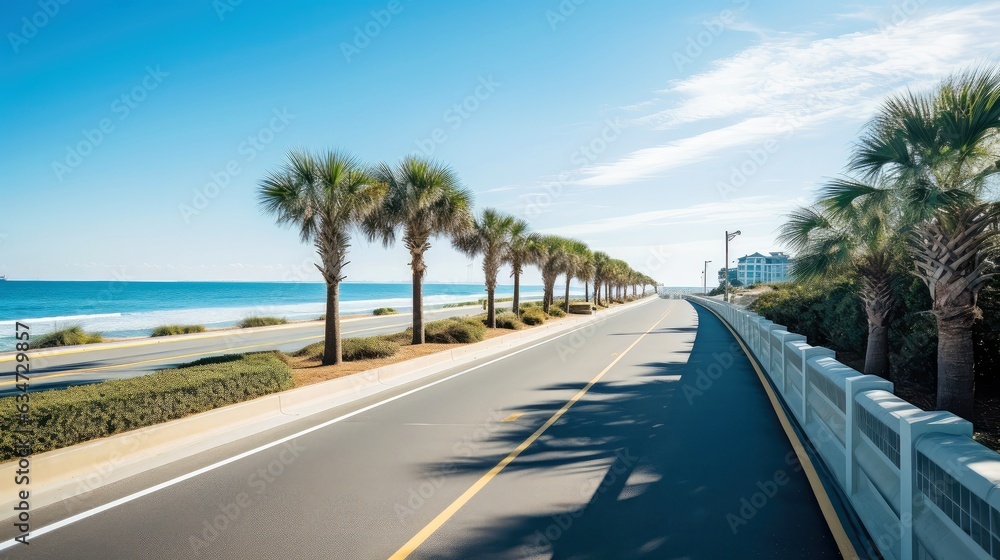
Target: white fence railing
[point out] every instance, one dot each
(921, 485)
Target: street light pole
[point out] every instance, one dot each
(729, 237)
(704, 276)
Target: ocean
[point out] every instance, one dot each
(130, 309)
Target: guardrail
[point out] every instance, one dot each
(921, 485)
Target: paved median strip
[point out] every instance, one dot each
(450, 511)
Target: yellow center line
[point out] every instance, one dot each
(35, 379)
(452, 509)
(843, 541)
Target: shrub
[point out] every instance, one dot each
(455, 330)
(556, 311)
(355, 349)
(169, 330)
(507, 320)
(66, 337)
(251, 322)
(384, 311)
(77, 414)
(533, 316)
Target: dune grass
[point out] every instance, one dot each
(384, 311)
(170, 330)
(71, 336)
(354, 349)
(251, 322)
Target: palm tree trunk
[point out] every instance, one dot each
(332, 349)
(951, 257)
(876, 292)
(568, 279)
(418, 298)
(549, 297)
(517, 292)
(586, 291)
(877, 354)
(956, 378)
(491, 310)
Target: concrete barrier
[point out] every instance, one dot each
(922, 487)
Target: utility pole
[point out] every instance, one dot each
(729, 237)
(704, 276)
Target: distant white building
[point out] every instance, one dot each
(758, 268)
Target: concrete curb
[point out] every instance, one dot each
(69, 472)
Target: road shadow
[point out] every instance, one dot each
(682, 444)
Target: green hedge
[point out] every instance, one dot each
(533, 316)
(169, 330)
(77, 414)
(251, 322)
(455, 330)
(384, 311)
(507, 320)
(831, 314)
(354, 349)
(66, 337)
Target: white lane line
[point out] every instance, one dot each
(172, 482)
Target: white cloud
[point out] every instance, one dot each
(745, 211)
(805, 81)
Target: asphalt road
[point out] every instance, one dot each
(645, 435)
(58, 368)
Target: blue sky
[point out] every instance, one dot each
(136, 133)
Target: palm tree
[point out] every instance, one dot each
(601, 272)
(552, 262)
(617, 275)
(585, 271)
(424, 199)
(523, 250)
(324, 196)
(575, 262)
(862, 240)
(490, 237)
(937, 153)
